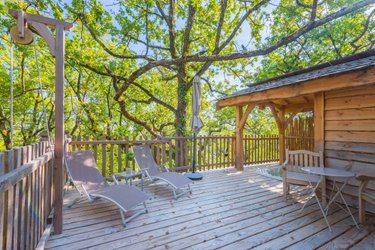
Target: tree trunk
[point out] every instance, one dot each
(6, 138)
(180, 121)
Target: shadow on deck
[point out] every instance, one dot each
(228, 209)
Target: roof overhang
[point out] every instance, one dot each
(354, 78)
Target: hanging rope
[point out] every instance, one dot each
(41, 92)
(11, 93)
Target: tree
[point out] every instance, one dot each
(145, 45)
(339, 38)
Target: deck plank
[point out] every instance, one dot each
(228, 209)
(199, 212)
(349, 238)
(366, 243)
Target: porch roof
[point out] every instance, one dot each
(266, 90)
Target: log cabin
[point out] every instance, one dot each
(340, 93)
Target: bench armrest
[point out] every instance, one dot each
(362, 177)
(284, 166)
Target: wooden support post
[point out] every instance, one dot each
(319, 133)
(319, 122)
(282, 124)
(239, 139)
(57, 46)
(241, 118)
(282, 128)
(59, 131)
(279, 116)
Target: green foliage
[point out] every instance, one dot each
(348, 35)
(109, 45)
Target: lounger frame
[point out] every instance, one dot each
(91, 197)
(177, 192)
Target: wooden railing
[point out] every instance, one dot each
(261, 149)
(26, 174)
(300, 134)
(213, 152)
(26, 190)
(299, 142)
(175, 152)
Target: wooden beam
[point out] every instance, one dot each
(58, 46)
(297, 106)
(241, 118)
(293, 107)
(281, 102)
(299, 110)
(276, 116)
(44, 32)
(282, 137)
(281, 125)
(239, 161)
(307, 100)
(245, 115)
(291, 116)
(50, 22)
(338, 81)
(319, 134)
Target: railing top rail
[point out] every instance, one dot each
(143, 141)
(11, 178)
(118, 141)
(83, 141)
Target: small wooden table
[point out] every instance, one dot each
(128, 176)
(334, 173)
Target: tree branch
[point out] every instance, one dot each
(303, 4)
(153, 98)
(352, 43)
(135, 119)
(189, 25)
(240, 55)
(223, 7)
(313, 10)
(147, 44)
(105, 48)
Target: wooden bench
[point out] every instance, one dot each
(292, 172)
(364, 195)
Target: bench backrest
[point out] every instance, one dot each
(296, 159)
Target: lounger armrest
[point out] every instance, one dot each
(165, 167)
(86, 193)
(115, 179)
(144, 171)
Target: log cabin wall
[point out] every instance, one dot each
(350, 132)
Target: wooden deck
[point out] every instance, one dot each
(228, 210)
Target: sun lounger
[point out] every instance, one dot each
(85, 176)
(151, 170)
